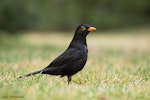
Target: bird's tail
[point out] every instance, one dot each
(30, 74)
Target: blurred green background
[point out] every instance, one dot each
(118, 66)
(65, 15)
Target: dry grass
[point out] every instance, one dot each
(118, 67)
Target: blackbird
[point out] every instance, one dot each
(73, 59)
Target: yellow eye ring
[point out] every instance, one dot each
(83, 28)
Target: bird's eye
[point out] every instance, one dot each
(83, 28)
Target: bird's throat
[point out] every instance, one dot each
(78, 40)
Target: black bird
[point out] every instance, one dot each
(73, 59)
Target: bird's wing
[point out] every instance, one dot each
(69, 55)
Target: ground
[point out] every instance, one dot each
(118, 67)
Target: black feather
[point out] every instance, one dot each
(72, 60)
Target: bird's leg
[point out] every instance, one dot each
(69, 79)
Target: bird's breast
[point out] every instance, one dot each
(84, 52)
(85, 49)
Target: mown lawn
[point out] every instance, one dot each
(118, 67)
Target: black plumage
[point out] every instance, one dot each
(73, 59)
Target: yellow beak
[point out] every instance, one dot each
(91, 29)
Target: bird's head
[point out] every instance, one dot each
(84, 29)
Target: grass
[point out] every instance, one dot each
(118, 67)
